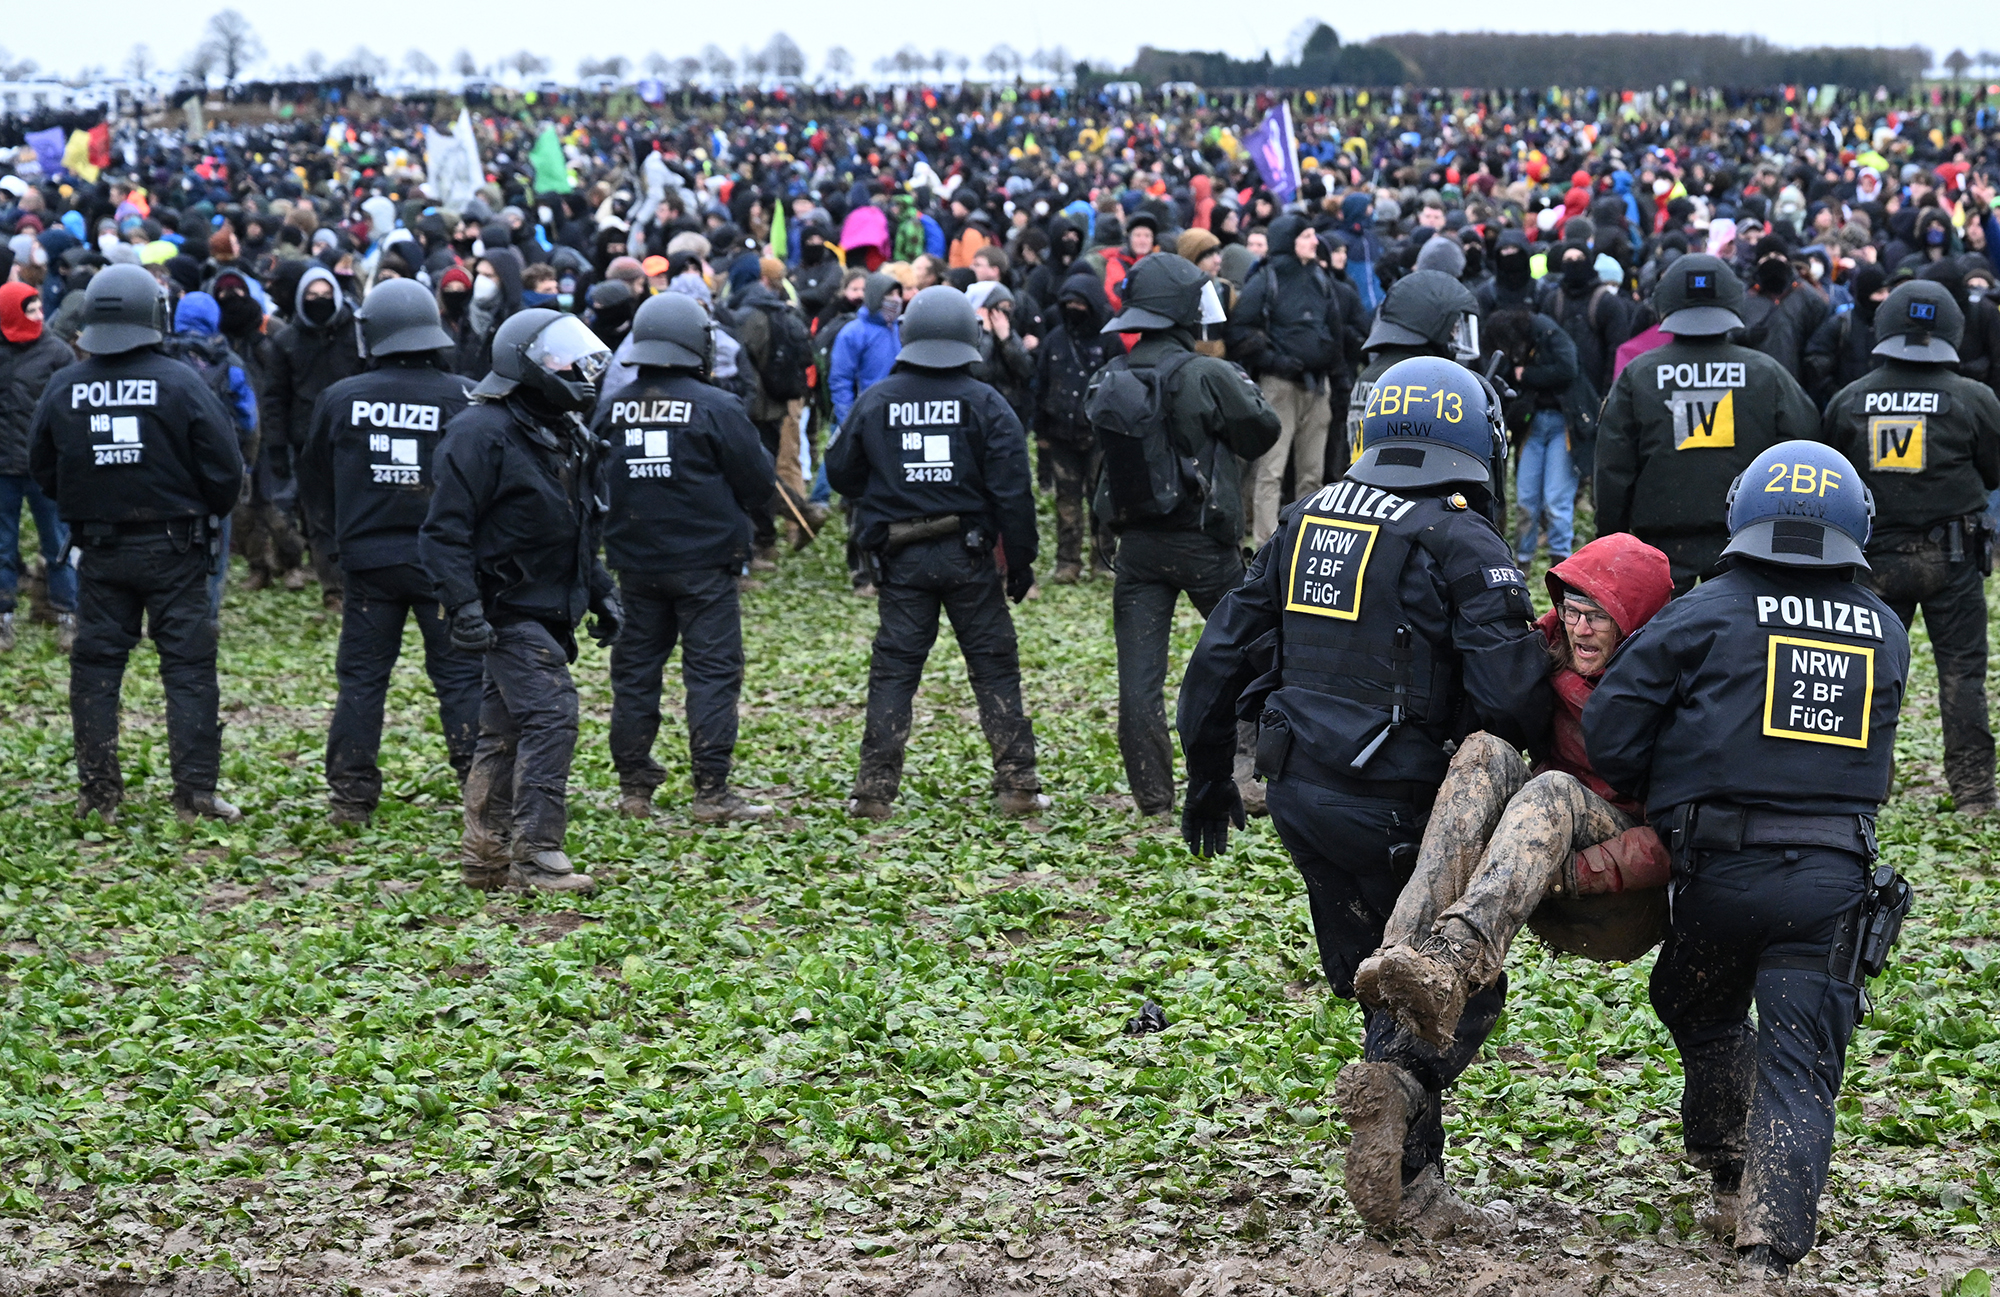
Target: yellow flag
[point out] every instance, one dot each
(76, 157)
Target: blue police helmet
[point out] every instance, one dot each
(1428, 422)
(1801, 504)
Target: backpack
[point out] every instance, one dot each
(1146, 475)
(791, 351)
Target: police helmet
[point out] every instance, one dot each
(1800, 504)
(1428, 308)
(537, 348)
(1920, 321)
(1428, 422)
(400, 315)
(672, 329)
(1698, 296)
(124, 309)
(940, 330)
(1162, 292)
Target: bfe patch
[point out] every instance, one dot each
(1329, 563)
(1818, 692)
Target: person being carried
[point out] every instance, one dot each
(1552, 846)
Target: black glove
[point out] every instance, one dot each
(1212, 806)
(1020, 580)
(470, 631)
(608, 621)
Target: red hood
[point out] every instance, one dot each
(1625, 576)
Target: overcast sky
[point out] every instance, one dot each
(1100, 30)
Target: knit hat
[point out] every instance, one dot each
(1196, 244)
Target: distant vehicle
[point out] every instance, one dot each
(1180, 89)
(599, 85)
(1125, 93)
(476, 88)
(549, 89)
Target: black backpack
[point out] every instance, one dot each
(784, 367)
(1145, 473)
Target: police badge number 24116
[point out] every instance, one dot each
(654, 444)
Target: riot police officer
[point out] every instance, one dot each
(511, 543)
(1927, 442)
(1682, 421)
(1427, 313)
(1756, 715)
(365, 479)
(1382, 622)
(1196, 415)
(142, 462)
(684, 470)
(939, 465)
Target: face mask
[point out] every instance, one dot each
(1934, 236)
(463, 246)
(1511, 270)
(1865, 308)
(1773, 276)
(319, 310)
(454, 302)
(240, 314)
(565, 300)
(1578, 275)
(544, 215)
(106, 242)
(813, 253)
(891, 308)
(485, 291)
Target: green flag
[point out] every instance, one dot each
(778, 245)
(551, 168)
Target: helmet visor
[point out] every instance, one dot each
(568, 343)
(1465, 339)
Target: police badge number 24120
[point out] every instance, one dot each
(933, 449)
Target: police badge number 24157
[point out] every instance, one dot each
(125, 444)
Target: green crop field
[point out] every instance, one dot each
(829, 1056)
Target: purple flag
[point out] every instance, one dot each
(48, 146)
(1276, 152)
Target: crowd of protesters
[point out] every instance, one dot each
(802, 229)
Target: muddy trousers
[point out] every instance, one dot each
(918, 583)
(1074, 470)
(1953, 597)
(1340, 841)
(700, 612)
(163, 580)
(379, 600)
(1498, 838)
(1761, 1097)
(516, 796)
(1154, 569)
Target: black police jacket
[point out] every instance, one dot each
(1681, 422)
(1361, 602)
(365, 475)
(1926, 439)
(1766, 687)
(682, 470)
(135, 437)
(925, 443)
(514, 522)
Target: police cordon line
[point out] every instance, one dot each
(1372, 674)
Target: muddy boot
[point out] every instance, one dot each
(723, 806)
(104, 808)
(1761, 1262)
(257, 578)
(764, 559)
(295, 579)
(65, 632)
(548, 871)
(1021, 805)
(1433, 1211)
(1977, 807)
(636, 803)
(342, 813)
(1725, 1203)
(483, 870)
(204, 805)
(867, 808)
(1067, 574)
(6, 632)
(1425, 988)
(1378, 1100)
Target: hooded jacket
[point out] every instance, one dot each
(25, 368)
(1065, 361)
(1288, 321)
(198, 343)
(865, 351)
(304, 359)
(1628, 579)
